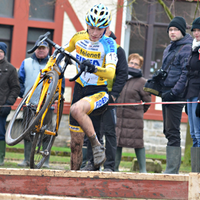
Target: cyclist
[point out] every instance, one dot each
(97, 53)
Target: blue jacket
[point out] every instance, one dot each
(28, 73)
(177, 72)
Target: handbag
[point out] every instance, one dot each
(153, 85)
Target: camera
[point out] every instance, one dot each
(159, 75)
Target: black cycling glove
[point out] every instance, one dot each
(87, 66)
(168, 96)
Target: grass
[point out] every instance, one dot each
(12, 158)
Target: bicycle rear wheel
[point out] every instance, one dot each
(25, 118)
(42, 143)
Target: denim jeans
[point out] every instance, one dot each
(193, 121)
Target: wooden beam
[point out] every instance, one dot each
(93, 184)
(37, 197)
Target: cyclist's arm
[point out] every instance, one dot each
(108, 72)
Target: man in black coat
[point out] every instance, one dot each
(9, 91)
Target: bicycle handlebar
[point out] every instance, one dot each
(58, 48)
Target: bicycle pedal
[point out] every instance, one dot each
(47, 132)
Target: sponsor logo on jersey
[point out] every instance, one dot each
(74, 128)
(92, 61)
(88, 54)
(112, 45)
(83, 43)
(101, 102)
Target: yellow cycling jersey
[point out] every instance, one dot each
(102, 53)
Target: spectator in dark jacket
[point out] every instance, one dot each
(193, 95)
(9, 91)
(129, 128)
(105, 124)
(176, 57)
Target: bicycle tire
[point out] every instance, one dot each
(16, 129)
(38, 153)
(19, 126)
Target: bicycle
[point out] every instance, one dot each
(48, 83)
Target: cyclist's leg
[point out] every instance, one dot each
(84, 151)
(96, 120)
(79, 112)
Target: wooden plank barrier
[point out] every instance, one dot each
(99, 184)
(6, 196)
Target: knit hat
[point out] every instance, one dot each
(178, 22)
(3, 47)
(196, 24)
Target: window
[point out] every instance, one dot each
(42, 10)
(160, 42)
(6, 8)
(33, 34)
(137, 39)
(148, 29)
(6, 36)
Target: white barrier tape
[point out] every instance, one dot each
(149, 103)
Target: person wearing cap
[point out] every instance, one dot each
(9, 91)
(27, 74)
(192, 94)
(174, 61)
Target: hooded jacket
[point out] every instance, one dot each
(9, 83)
(129, 127)
(177, 72)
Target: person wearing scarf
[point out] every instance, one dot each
(129, 127)
(192, 94)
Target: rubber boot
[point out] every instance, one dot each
(195, 161)
(173, 160)
(46, 163)
(141, 158)
(2, 151)
(118, 157)
(84, 152)
(27, 152)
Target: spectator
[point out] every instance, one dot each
(173, 87)
(129, 128)
(9, 91)
(193, 95)
(105, 124)
(27, 74)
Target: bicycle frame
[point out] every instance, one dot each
(49, 67)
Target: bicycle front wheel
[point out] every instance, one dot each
(25, 118)
(42, 143)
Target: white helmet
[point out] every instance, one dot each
(98, 16)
